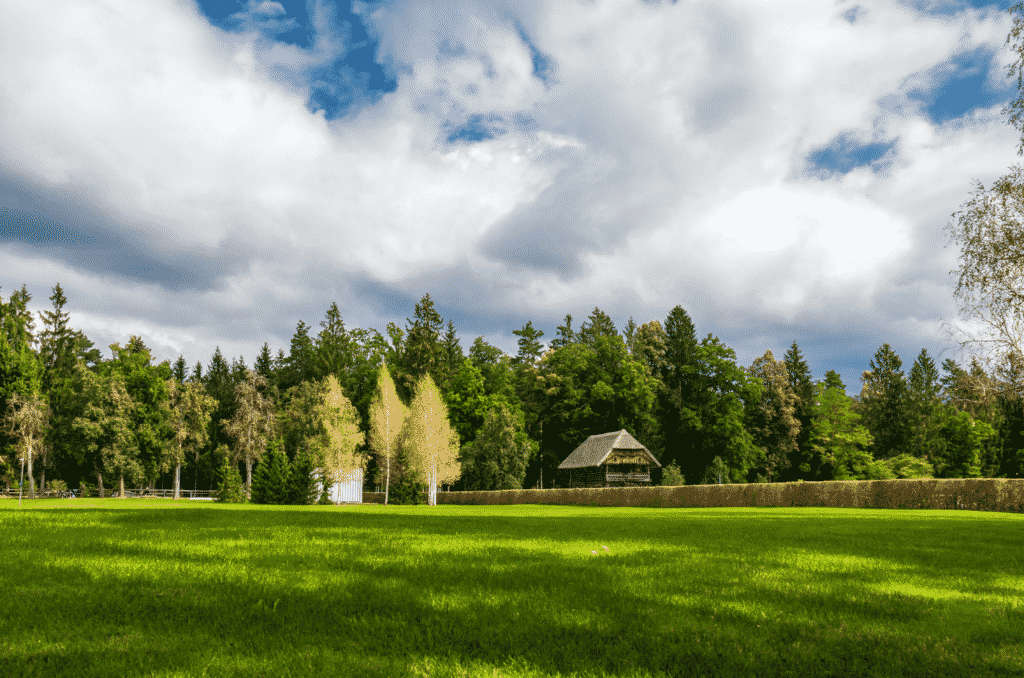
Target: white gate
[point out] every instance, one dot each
(350, 490)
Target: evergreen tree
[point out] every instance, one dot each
(422, 353)
(840, 443)
(333, 348)
(451, 358)
(1010, 432)
(270, 482)
(179, 372)
(885, 400)
(565, 336)
(678, 407)
(264, 365)
(497, 458)
(530, 348)
(924, 408)
(302, 488)
(598, 325)
(232, 489)
(300, 363)
(801, 382)
(628, 333)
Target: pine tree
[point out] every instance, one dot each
(924, 408)
(885, 401)
(598, 325)
(565, 336)
(180, 370)
(628, 333)
(270, 482)
(422, 346)
(333, 349)
(231, 490)
(801, 382)
(300, 363)
(530, 348)
(451, 358)
(302, 488)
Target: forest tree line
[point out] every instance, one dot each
(512, 419)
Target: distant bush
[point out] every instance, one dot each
(671, 476)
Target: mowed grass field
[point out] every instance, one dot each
(154, 587)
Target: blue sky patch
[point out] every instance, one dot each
(844, 154)
(335, 87)
(964, 88)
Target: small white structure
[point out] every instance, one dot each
(349, 491)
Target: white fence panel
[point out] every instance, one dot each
(349, 490)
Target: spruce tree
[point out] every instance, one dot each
(301, 481)
(270, 481)
(801, 382)
(231, 489)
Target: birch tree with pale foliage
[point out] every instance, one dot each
(387, 418)
(191, 411)
(342, 437)
(252, 425)
(432, 443)
(27, 420)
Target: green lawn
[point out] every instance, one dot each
(161, 588)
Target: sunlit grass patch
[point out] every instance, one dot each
(157, 587)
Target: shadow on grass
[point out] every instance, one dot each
(167, 593)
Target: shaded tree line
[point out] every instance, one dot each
(414, 411)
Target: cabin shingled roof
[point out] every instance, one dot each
(596, 449)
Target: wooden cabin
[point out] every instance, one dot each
(609, 460)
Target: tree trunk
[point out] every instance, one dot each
(248, 478)
(387, 480)
(31, 478)
(42, 483)
(99, 477)
(121, 485)
(177, 481)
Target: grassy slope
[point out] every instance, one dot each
(164, 588)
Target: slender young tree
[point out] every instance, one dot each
(387, 418)
(338, 451)
(191, 411)
(27, 420)
(430, 440)
(252, 424)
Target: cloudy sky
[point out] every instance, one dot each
(210, 172)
